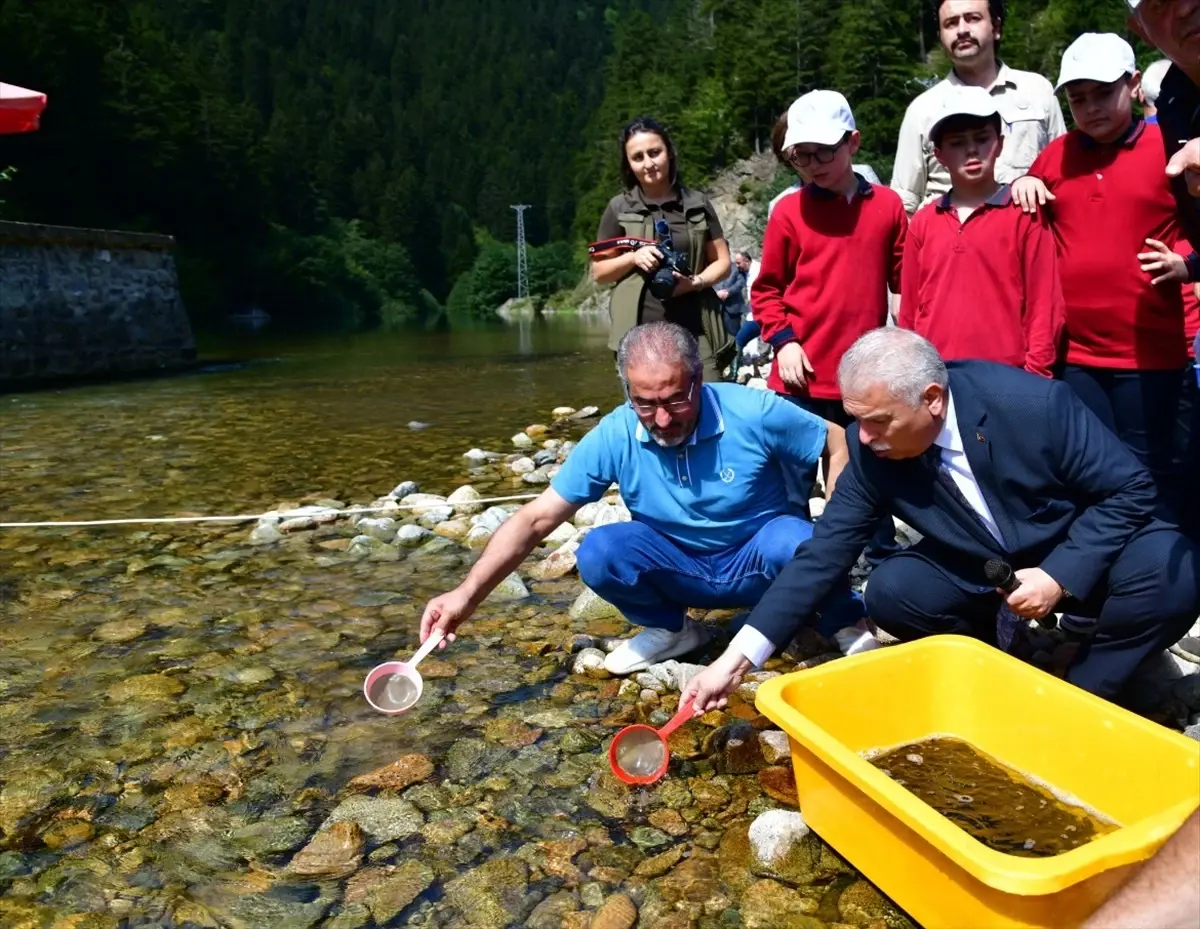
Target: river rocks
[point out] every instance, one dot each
(411, 536)
(770, 905)
(492, 895)
(559, 564)
(779, 783)
(419, 504)
(456, 529)
(608, 796)
(522, 466)
(401, 773)
(774, 833)
(562, 412)
(404, 489)
(588, 412)
(318, 515)
(382, 528)
(145, 687)
(335, 851)
(538, 478)
(510, 589)
(371, 548)
(266, 532)
(537, 431)
(521, 440)
(660, 864)
(562, 534)
(478, 455)
(398, 889)
(271, 836)
(618, 912)
(383, 819)
(590, 605)
(120, 631)
(434, 515)
(738, 748)
(466, 501)
(550, 913)
(547, 456)
(589, 661)
(861, 903)
(774, 746)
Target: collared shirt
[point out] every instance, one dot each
(1110, 198)
(998, 257)
(1179, 118)
(716, 490)
(827, 264)
(953, 458)
(1031, 116)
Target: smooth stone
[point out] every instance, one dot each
(523, 466)
(145, 687)
(466, 501)
(511, 588)
(558, 564)
(430, 517)
(550, 913)
(400, 774)
(588, 661)
(383, 819)
(265, 533)
(382, 528)
(617, 912)
(560, 411)
(561, 534)
(335, 851)
(1193, 731)
(586, 413)
(404, 489)
(477, 454)
(394, 893)
(537, 431)
(521, 440)
(767, 904)
(373, 549)
(774, 833)
(412, 536)
(418, 503)
(862, 904)
(537, 478)
(456, 529)
(779, 783)
(775, 746)
(120, 631)
(492, 895)
(589, 605)
(318, 514)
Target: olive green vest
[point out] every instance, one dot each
(637, 219)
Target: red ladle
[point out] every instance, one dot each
(639, 754)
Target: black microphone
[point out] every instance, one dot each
(999, 573)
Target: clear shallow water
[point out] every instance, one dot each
(181, 712)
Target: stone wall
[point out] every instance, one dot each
(79, 303)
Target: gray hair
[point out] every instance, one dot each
(897, 359)
(663, 342)
(743, 254)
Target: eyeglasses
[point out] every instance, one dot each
(649, 407)
(824, 155)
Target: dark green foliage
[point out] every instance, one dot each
(338, 162)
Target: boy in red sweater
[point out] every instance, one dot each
(830, 252)
(1112, 210)
(971, 242)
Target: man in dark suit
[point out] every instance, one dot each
(987, 462)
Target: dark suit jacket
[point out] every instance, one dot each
(1066, 494)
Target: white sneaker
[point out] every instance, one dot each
(856, 639)
(653, 645)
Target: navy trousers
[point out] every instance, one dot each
(1146, 602)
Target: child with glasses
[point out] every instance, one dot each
(831, 252)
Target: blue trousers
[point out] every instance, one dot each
(653, 580)
(750, 331)
(1187, 454)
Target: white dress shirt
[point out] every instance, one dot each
(757, 648)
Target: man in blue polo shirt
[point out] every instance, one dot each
(701, 468)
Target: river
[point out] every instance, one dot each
(181, 712)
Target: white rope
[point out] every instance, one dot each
(274, 514)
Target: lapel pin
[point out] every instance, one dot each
(979, 436)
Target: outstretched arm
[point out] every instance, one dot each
(1165, 893)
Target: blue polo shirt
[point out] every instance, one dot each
(719, 488)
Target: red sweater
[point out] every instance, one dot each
(827, 264)
(1109, 200)
(986, 288)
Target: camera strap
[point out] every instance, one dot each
(610, 248)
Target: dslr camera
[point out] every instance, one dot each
(662, 283)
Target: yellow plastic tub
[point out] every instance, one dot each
(1140, 774)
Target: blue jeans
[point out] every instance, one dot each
(653, 580)
(750, 331)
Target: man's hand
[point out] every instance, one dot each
(1162, 261)
(708, 689)
(647, 259)
(1186, 162)
(722, 295)
(445, 613)
(1030, 192)
(794, 366)
(1037, 593)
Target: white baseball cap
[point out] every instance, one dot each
(1096, 56)
(820, 117)
(964, 100)
(1152, 79)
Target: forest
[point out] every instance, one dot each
(351, 163)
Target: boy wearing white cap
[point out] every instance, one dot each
(831, 251)
(1109, 201)
(971, 242)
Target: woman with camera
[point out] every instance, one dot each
(663, 246)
